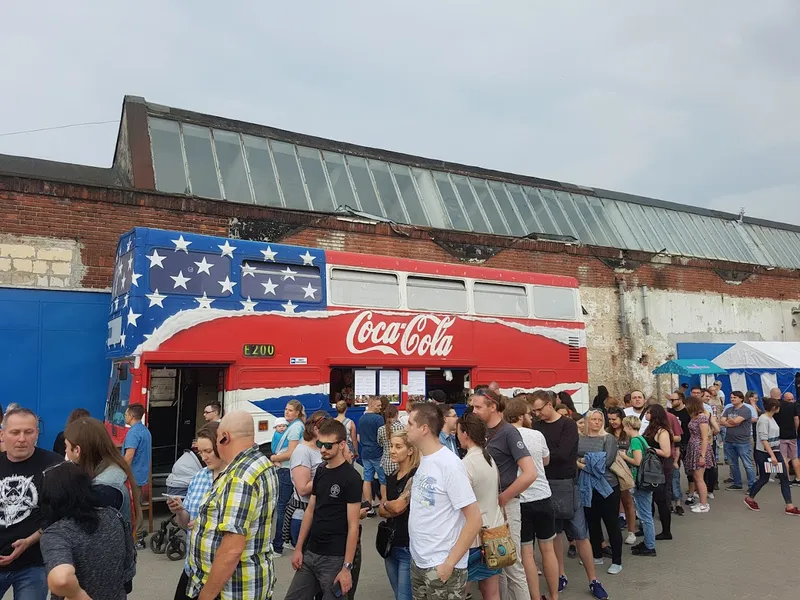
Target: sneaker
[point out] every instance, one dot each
(647, 552)
(371, 513)
(572, 552)
(639, 533)
(623, 522)
(795, 482)
(727, 480)
(692, 499)
(597, 590)
(734, 488)
(630, 539)
(704, 508)
(608, 552)
(141, 545)
(696, 508)
(614, 569)
(663, 536)
(596, 561)
(562, 582)
(751, 504)
(710, 496)
(679, 510)
(794, 511)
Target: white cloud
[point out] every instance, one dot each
(684, 101)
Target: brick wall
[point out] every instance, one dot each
(93, 218)
(33, 261)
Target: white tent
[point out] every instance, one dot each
(761, 366)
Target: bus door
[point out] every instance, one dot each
(177, 395)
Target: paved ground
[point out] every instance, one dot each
(729, 551)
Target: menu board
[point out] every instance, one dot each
(364, 382)
(416, 383)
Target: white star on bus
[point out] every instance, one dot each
(156, 299)
(289, 274)
(180, 280)
(227, 285)
(249, 305)
(156, 260)
(135, 279)
(205, 301)
(269, 287)
(204, 266)
(309, 291)
(132, 317)
(269, 254)
(307, 258)
(227, 249)
(289, 307)
(181, 244)
(248, 270)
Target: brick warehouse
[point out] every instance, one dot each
(730, 277)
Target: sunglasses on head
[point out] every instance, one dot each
(326, 445)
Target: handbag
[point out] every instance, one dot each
(497, 545)
(384, 538)
(563, 496)
(622, 471)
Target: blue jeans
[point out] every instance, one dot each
(677, 491)
(284, 494)
(733, 452)
(398, 569)
(644, 508)
(28, 584)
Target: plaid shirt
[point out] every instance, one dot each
(385, 441)
(199, 486)
(241, 501)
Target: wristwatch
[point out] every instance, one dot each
(348, 566)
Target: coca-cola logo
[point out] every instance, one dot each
(423, 335)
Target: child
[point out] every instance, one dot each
(280, 428)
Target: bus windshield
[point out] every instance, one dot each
(119, 394)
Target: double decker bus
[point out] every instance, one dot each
(252, 325)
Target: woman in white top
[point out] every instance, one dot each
(485, 481)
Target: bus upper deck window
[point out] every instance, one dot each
(500, 299)
(554, 303)
(432, 293)
(350, 287)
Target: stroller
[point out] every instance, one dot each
(170, 539)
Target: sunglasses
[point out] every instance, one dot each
(327, 445)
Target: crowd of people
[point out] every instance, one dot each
(464, 499)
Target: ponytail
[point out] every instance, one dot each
(475, 430)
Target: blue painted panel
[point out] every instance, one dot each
(52, 354)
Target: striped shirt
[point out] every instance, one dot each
(241, 501)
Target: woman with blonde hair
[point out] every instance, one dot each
(395, 509)
(295, 415)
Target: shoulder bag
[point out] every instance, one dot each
(384, 538)
(622, 471)
(563, 498)
(497, 545)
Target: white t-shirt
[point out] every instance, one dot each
(631, 412)
(440, 490)
(537, 446)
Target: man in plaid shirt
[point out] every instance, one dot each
(231, 538)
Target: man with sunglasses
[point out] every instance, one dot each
(21, 472)
(326, 547)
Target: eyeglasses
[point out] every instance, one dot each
(208, 412)
(327, 445)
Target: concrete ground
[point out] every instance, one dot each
(730, 551)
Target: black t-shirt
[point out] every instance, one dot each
(785, 419)
(334, 490)
(562, 440)
(684, 418)
(394, 488)
(20, 497)
(60, 445)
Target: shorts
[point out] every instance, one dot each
(574, 528)
(372, 466)
(477, 570)
(538, 521)
(789, 449)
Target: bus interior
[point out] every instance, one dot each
(372, 381)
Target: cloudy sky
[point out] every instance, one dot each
(693, 102)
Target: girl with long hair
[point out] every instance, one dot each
(295, 415)
(643, 498)
(88, 551)
(659, 436)
(90, 447)
(485, 480)
(699, 452)
(391, 424)
(395, 509)
(627, 509)
(349, 426)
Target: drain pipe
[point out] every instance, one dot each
(646, 318)
(623, 322)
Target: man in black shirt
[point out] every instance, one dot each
(788, 420)
(21, 467)
(326, 546)
(678, 408)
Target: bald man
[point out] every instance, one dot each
(231, 538)
(775, 394)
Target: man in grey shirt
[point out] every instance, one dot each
(737, 418)
(517, 473)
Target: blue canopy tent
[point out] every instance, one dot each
(688, 367)
(761, 366)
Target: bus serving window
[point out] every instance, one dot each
(501, 300)
(119, 394)
(554, 303)
(429, 293)
(364, 288)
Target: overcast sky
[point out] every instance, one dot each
(693, 102)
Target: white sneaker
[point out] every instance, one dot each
(631, 538)
(710, 495)
(700, 508)
(597, 561)
(614, 569)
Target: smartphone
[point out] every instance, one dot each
(173, 497)
(337, 589)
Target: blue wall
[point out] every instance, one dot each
(52, 354)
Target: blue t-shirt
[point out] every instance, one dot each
(368, 427)
(293, 433)
(141, 441)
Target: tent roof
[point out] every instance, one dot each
(689, 366)
(761, 355)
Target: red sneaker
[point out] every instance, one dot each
(793, 511)
(752, 504)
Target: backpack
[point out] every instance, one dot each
(650, 472)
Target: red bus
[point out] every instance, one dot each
(252, 325)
